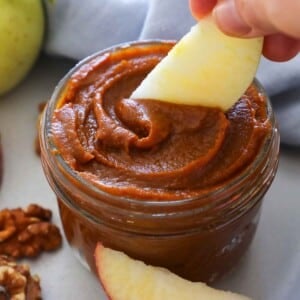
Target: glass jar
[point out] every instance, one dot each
(199, 238)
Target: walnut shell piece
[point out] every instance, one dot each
(28, 232)
(17, 282)
(37, 147)
(1, 162)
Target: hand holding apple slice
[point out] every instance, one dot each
(124, 278)
(206, 67)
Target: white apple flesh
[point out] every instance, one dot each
(206, 67)
(124, 278)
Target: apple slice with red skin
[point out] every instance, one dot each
(124, 278)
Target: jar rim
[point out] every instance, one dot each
(50, 147)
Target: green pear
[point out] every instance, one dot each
(22, 25)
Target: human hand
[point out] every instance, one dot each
(277, 20)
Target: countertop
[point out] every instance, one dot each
(269, 271)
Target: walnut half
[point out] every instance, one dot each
(16, 281)
(28, 232)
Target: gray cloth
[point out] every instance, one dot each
(78, 28)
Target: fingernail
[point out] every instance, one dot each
(229, 19)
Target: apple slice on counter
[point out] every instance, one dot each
(124, 278)
(206, 67)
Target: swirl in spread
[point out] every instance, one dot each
(147, 149)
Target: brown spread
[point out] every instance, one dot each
(147, 149)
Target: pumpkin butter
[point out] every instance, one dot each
(148, 149)
(145, 153)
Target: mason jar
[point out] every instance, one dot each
(199, 237)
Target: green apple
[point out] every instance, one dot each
(21, 35)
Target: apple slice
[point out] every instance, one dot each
(124, 278)
(206, 67)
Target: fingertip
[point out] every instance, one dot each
(201, 8)
(280, 48)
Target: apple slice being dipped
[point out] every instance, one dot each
(206, 67)
(124, 278)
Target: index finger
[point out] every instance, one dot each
(201, 8)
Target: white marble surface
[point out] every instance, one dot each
(270, 270)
